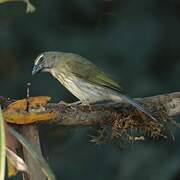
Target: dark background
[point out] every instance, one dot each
(136, 41)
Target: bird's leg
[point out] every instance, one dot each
(75, 103)
(97, 103)
(87, 103)
(71, 104)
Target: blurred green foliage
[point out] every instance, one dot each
(135, 41)
(2, 147)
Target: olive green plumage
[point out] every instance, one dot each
(85, 70)
(82, 78)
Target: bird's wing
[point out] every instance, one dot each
(87, 71)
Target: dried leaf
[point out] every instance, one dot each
(11, 169)
(20, 112)
(11, 144)
(35, 155)
(32, 102)
(16, 161)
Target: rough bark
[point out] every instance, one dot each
(93, 114)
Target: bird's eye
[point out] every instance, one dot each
(41, 59)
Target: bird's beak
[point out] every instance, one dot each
(36, 69)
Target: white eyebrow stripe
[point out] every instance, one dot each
(38, 58)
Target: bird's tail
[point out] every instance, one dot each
(138, 106)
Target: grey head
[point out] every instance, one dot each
(45, 62)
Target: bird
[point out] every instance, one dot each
(84, 79)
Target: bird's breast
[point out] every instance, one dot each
(83, 90)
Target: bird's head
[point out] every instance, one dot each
(44, 62)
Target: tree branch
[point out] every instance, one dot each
(93, 114)
(121, 117)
